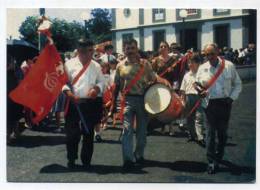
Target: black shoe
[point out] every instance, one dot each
(191, 140)
(201, 143)
(71, 164)
(98, 138)
(140, 160)
(128, 166)
(87, 167)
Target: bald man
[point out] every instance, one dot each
(218, 102)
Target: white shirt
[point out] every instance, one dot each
(107, 58)
(187, 83)
(107, 81)
(90, 78)
(228, 83)
(112, 76)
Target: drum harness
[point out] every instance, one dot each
(171, 67)
(201, 88)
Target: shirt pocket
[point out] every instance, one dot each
(227, 82)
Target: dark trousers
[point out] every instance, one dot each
(92, 112)
(218, 114)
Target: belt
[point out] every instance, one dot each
(85, 100)
(219, 100)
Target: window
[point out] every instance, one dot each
(158, 15)
(127, 12)
(192, 11)
(217, 12)
(158, 36)
(221, 35)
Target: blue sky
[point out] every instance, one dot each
(15, 17)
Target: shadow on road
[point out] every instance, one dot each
(34, 141)
(98, 169)
(182, 166)
(235, 169)
(109, 141)
(198, 167)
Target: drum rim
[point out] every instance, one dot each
(169, 89)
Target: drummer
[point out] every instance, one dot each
(164, 66)
(139, 74)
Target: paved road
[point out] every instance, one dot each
(39, 156)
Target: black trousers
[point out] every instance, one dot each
(218, 114)
(92, 113)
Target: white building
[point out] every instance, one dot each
(226, 27)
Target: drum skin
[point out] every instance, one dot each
(171, 111)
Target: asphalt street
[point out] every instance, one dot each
(40, 155)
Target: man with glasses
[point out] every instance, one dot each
(85, 95)
(219, 97)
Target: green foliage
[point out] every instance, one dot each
(65, 34)
(100, 25)
(29, 31)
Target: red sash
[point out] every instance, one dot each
(127, 89)
(209, 84)
(181, 61)
(72, 83)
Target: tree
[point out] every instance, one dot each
(65, 34)
(100, 25)
(28, 30)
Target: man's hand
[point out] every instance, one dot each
(93, 92)
(163, 81)
(72, 97)
(203, 93)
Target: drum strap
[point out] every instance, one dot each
(209, 84)
(72, 83)
(181, 61)
(128, 88)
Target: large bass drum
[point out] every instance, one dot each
(163, 103)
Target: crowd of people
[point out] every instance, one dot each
(242, 56)
(106, 85)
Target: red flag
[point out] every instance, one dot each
(42, 85)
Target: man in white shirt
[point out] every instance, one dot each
(220, 96)
(86, 92)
